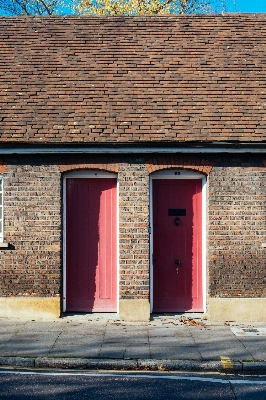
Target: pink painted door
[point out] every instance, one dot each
(177, 245)
(91, 244)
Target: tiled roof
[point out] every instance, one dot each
(132, 79)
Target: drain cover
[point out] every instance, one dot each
(248, 331)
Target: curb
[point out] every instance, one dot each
(83, 363)
(132, 365)
(17, 362)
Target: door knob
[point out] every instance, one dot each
(177, 262)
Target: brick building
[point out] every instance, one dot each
(133, 166)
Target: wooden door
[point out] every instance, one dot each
(177, 245)
(91, 244)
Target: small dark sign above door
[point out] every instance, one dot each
(176, 212)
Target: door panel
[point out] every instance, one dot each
(91, 244)
(177, 235)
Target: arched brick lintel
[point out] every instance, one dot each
(3, 165)
(67, 167)
(168, 161)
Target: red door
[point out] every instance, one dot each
(177, 246)
(91, 244)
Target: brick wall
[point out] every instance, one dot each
(134, 237)
(32, 224)
(32, 209)
(237, 227)
(179, 161)
(99, 162)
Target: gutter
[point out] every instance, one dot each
(118, 149)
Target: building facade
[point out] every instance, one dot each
(133, 166)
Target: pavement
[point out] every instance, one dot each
(103, 341)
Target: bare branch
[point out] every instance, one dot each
(29, 7)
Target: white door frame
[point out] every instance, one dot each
(89, 174)
(181, 174)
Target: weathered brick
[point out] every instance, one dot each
(32, 206)
(236, 227)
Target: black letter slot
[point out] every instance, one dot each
(176, 212)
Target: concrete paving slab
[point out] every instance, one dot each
(131, 329)
(247, 324)
(81, 341)
(217, 350)
(76, 351)
(88, 327)
(101, 317)
(120, 340)
(11, 327)
(115, 343)
(123, 328)
(126, 325)
(5, 337)
(256, 347)
(115, 332)
(220, 326)
(183, 330)
(116, 335)
(212, 345)
(80, 333)
(85, 326)
(113, 351)
(211, 330)
(165, 331)
(126, 339)
(29, 344)
(205, 339)
(175, 346)
(13, 321)
(172, 341)
(252, 341)
(129, 333)
(210, 335)
(175, 353)
(68, 335)
(43, 326)
(137, 351)
(137, 341)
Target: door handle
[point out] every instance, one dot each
(176, 221)
(177, 262)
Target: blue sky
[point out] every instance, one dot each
(241, 6)
(248, 6)
(235, 6)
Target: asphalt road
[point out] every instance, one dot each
(128, 386)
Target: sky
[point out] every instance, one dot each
(247, 6)
(234, 6)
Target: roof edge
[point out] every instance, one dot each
(147, 148)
